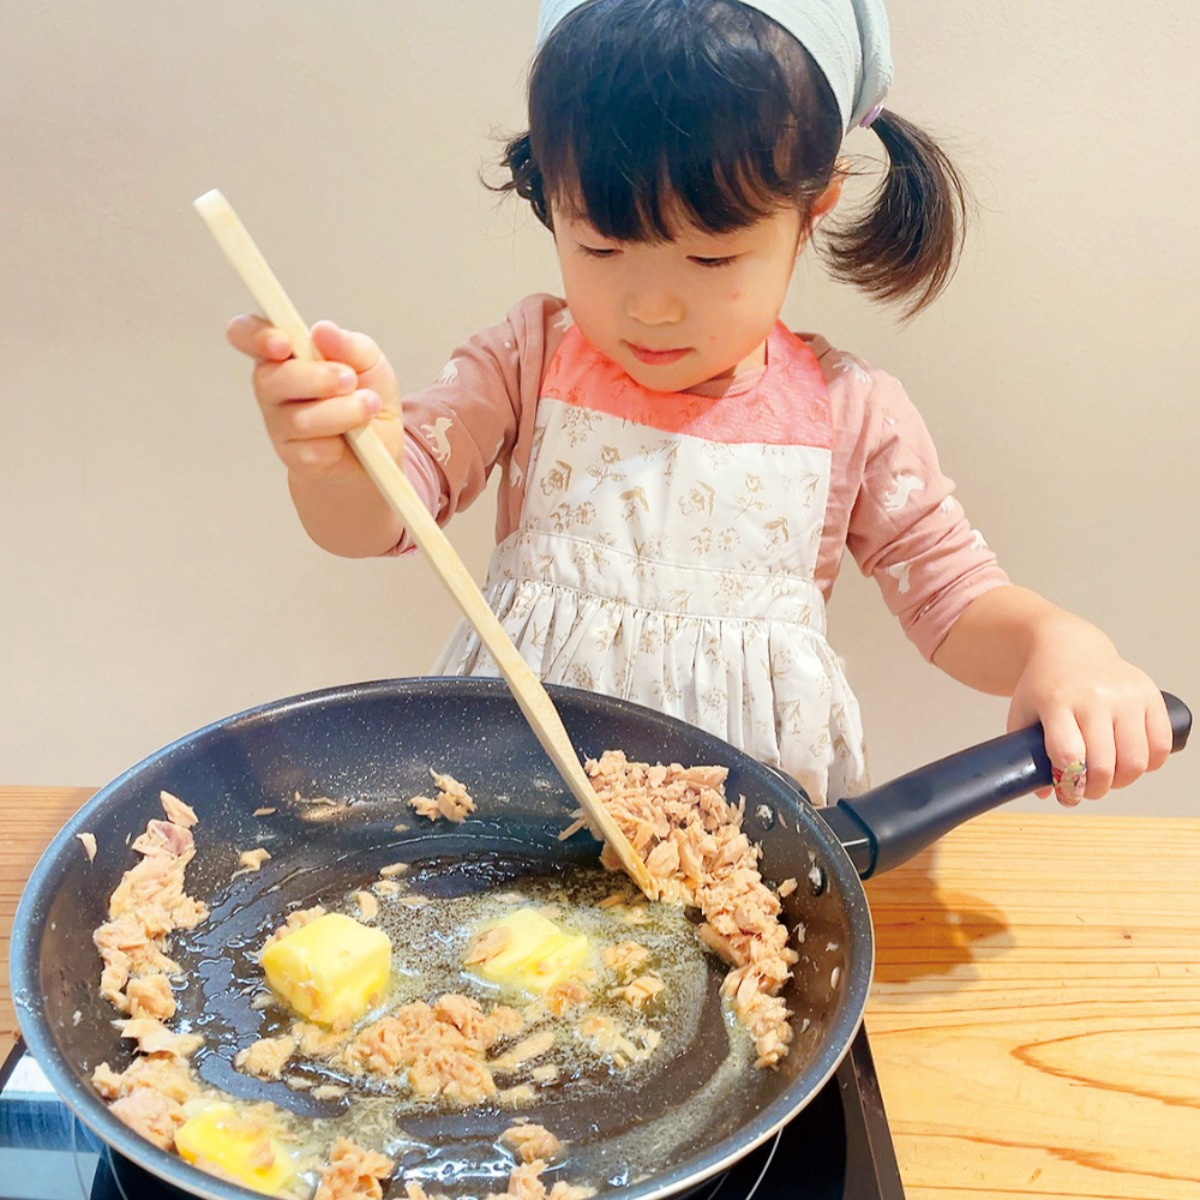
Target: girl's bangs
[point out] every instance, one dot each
(644, 181)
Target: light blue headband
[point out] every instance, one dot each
(848, 40)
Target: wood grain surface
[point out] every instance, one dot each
(29, 819)
(1035, 1016)
(1036, 1009)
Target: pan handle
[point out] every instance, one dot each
(889, 824)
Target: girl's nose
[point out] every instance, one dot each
(653, 304)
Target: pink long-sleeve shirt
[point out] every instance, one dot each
(889, 502)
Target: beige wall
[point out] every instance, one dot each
(153, 575)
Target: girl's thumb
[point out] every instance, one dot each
(336, 344)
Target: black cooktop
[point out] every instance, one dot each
(837, 1148)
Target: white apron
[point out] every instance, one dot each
(655, 562)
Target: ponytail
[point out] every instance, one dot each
(907, 246)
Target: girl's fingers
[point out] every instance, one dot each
(345, 346)
(298, 380)
(1132, 748)
(1093, 751)
(317, 419)
(1067, 751)
(314, 455)
(1159, 736)
(258, 338)
(1101, 754)
(1020, 717)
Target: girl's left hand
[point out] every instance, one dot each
(1105, 721)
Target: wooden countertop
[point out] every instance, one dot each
(1035, 1016)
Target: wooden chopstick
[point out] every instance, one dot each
(387, 476)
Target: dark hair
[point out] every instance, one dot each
(646, 112)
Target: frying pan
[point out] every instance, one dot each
(366, 748)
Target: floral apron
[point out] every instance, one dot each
(666, 553)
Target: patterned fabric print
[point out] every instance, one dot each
(678, 572)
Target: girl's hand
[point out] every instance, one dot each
(308, 406)
(1105, 721)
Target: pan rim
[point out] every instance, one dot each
(94, 1113)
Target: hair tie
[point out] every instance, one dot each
(871, 117)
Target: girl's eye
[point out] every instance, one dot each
(598, 251)
(714, 262)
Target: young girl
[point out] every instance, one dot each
(681, 473)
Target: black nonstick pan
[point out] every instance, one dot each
(366, 749)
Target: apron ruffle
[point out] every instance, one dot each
(771, 686)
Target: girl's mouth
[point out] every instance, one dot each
(656, 358)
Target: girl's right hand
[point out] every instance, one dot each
(308, 406)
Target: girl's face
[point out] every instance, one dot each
(678, 313)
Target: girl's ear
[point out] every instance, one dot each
(823, 205)
(827, 201)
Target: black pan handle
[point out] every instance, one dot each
(889, 824)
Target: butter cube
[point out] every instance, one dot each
(239, 1146)
(331, 970)
(532, 954)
